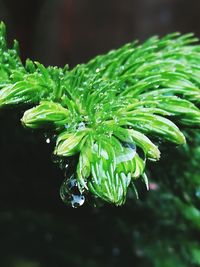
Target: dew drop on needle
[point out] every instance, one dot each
(77, 200)
(70, 194)
(48, 140)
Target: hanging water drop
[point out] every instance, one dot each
(48, 140)
(66, 166)
(71, 185)
(77, 200)
(49, 137)
(70, 194)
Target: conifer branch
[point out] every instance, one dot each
(105, 112)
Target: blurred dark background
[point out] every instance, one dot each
(57, 32)
(36, 228)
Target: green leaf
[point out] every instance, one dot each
(46, 115)
(105, 182)
(22, 92)
(69, 143)
(154, 124)
(129, 135)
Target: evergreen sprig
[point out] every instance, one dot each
(103, 113)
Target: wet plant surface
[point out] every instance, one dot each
(99, 114)
(101, 147)
(38, 229)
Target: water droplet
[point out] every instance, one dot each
(49, 137)
(77, 200)
(81, 126)
(129, 145)
(63, 163)
(66, 126)
(70, 193)
(128, 153)
(197, 193)
(116, 119)
(66, 166)
(98, 120)
(104, 154)
(122, 68)
(95, 147)
(71, 185)
(48, 140)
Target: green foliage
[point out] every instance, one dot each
(104, 113)
(175, 207)
(152, 231)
